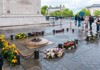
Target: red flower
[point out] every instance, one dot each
(66, 42)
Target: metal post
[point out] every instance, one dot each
(61, 22)
(1, 62)
(70, 23)
(53, 21)
(18, 59)
(11, 37)
(76, 41)
(36, 54)
(60, 46)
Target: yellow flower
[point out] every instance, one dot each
(13, 46)
(16, 51)
(2, 40)
(7, 46)
(5, 43)
(14, 57)
(2, 36)
(3, 48)
(14, 61)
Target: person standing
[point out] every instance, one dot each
(76, 20)
(98, 24)
(91, 20)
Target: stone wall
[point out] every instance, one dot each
(21, 20)
(20, 7)
(20, 12)
(1, 7)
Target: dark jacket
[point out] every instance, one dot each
(76, 18)
(91, 19)
(79, 19)
(82, 19)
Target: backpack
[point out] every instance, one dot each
(82, 18)
(92, 19)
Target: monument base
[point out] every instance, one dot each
(21, 20)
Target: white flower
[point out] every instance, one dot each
(69, 48)
(73, 46)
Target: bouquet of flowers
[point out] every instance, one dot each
(92, 37)
(20, 36)
(54, 53)
(9, 51)
(70, 45)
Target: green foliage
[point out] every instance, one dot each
(20, 36)
(57, 13)
(44, 10)
(97, 13)
(66, 12)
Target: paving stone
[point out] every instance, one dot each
(69, 63)
(84, 68)
(89, 59)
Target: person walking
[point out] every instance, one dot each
(91, 20)
(86, 21)
(82, 23)
(98, 24)
(79, 21)
(76, 18)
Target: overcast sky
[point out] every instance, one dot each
(74, 5)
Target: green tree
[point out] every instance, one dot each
(65, 13)
(86, 11)
(55, 13)
(44, 10)
(96, 12)
(51, 14)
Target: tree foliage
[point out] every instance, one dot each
(65, 13)
(44, 10)
(96, 12)
(86, 11)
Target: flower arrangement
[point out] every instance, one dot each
(91, 37)
(70, 45)
(20, 36)
(9, 51)
(54, 53)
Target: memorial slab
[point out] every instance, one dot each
(20, 12)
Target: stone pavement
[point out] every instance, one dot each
(85, 57)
